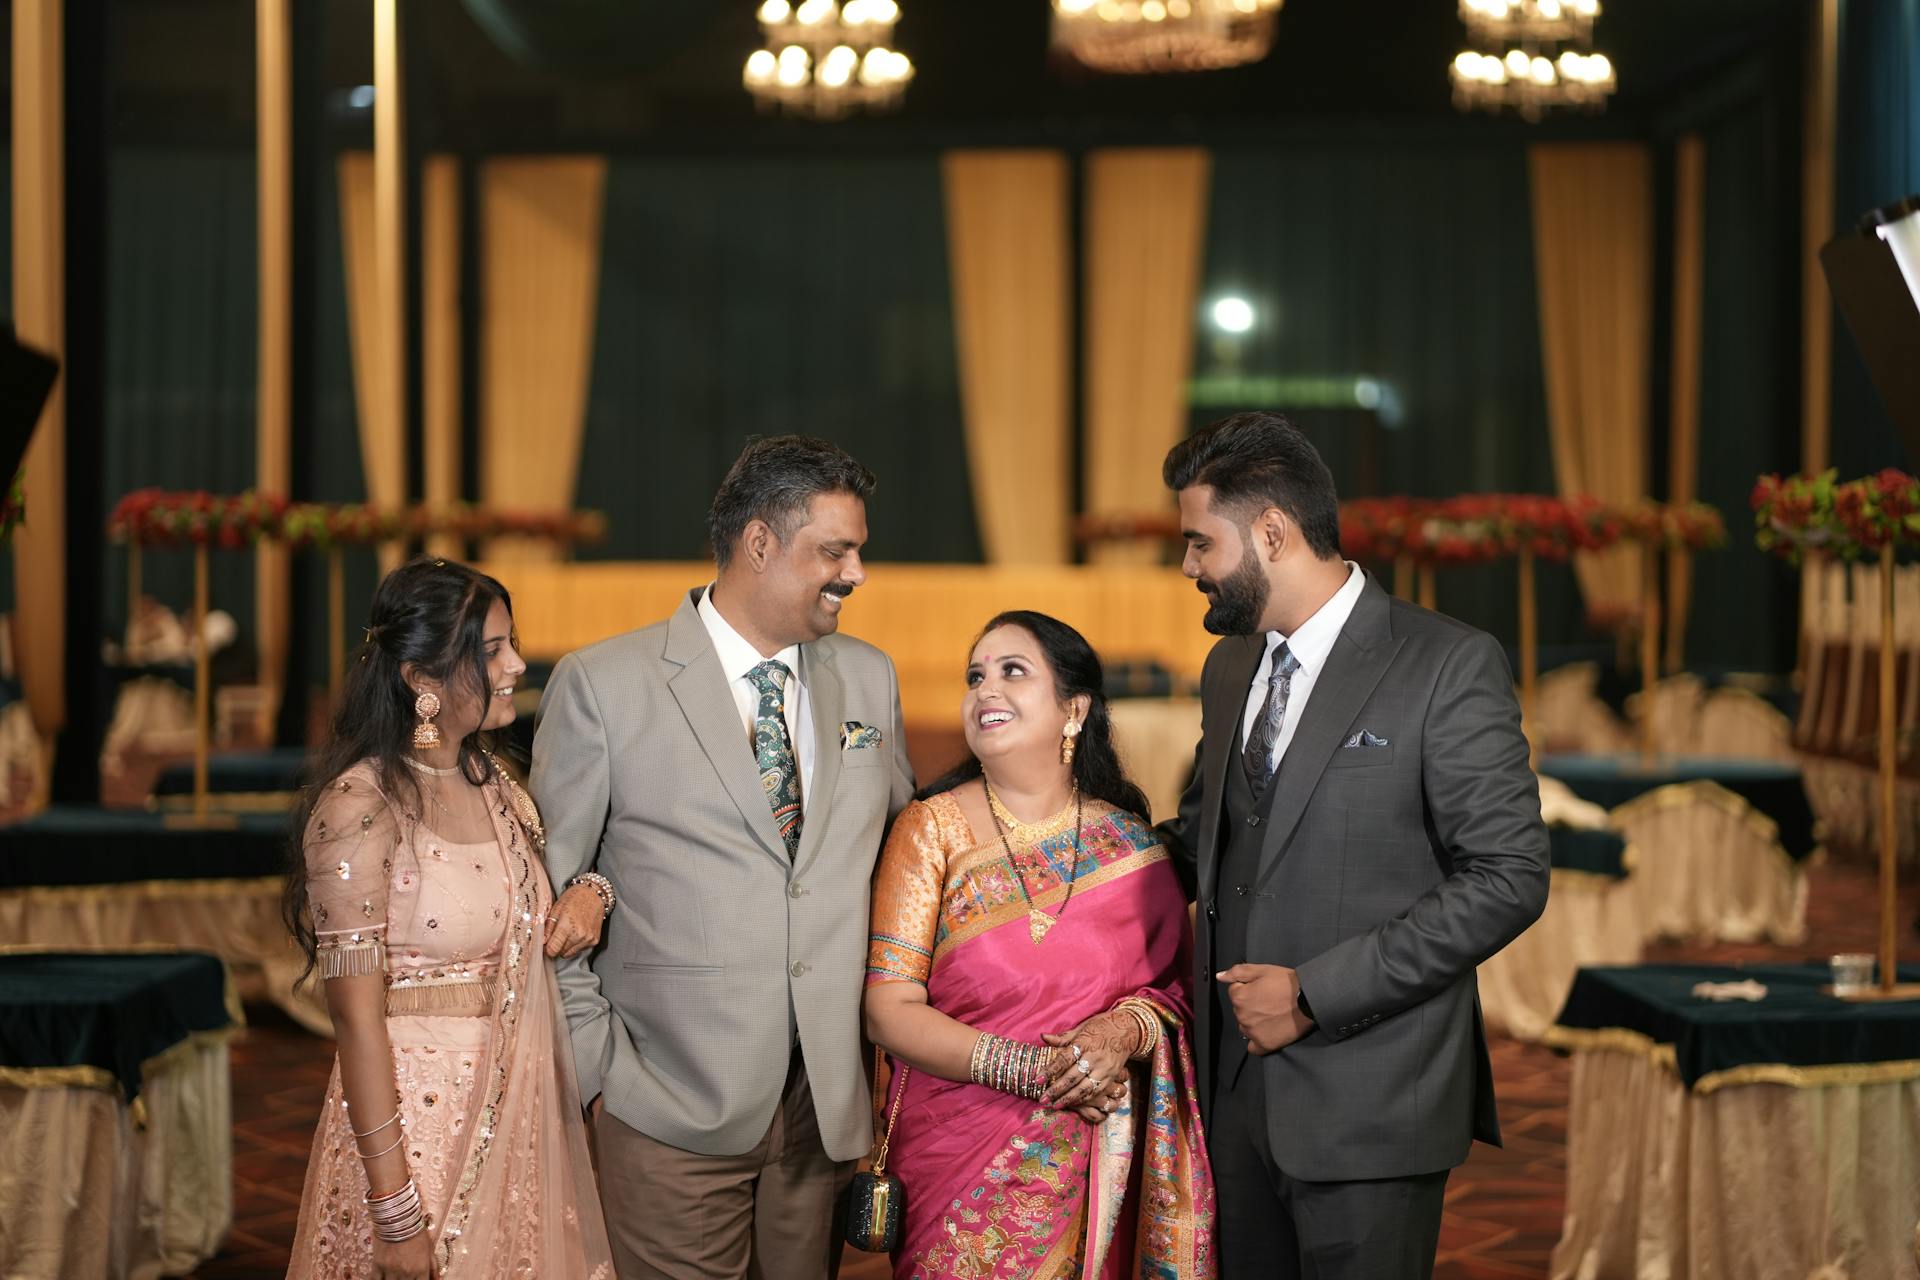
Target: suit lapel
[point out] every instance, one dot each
(1360, 657)
(826, 697)
(700, 687)
(1222, 748)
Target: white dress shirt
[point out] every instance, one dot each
(737, 658)
(1310, 646)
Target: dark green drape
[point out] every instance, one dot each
(181, 352)
(762, 296)
(1743, 600)
(1408, 266)
(1876, 161)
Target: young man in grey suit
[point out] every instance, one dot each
(730, 771)
(1362, 830)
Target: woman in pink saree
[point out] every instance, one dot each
(450, 1143)
(1028, 975)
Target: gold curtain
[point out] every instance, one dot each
(273, 456)
(1593, 254)
(440, 339)
(383, 438)
(1007, 255)
(540, 260)
(1683, 414)
(1146, 216)
(39, 314)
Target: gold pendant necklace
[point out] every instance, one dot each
(1038, 921)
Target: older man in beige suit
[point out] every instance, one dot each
(731, 772)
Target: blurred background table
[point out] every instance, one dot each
(115, 1113)
(94, 879)
(1722, 842)
(1773, 1137)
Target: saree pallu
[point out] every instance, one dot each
(997, 1186)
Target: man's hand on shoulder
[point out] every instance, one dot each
(1266, 1005)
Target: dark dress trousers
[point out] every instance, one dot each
(1396, 846)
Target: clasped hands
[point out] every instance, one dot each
(1266, 1005)
(1107, 1041)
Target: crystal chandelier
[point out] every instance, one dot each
(826, 60)
(1546, 61)
(1143, 36)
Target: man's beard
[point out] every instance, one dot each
(1237, 600)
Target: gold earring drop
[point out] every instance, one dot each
(1067, 743)
(425, 735)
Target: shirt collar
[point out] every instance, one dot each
(737, 656)
(1312, 642)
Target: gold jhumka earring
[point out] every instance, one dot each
(425, 734)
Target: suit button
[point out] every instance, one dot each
(1253, 819)
(1212, 912)
(794, 891)
(1242, 890)
(799, 969)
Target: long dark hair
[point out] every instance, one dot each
(1076, 671)
(431, 613)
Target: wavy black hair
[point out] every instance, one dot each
(1076, 670)
(431, 613)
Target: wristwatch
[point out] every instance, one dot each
(1300, 1002)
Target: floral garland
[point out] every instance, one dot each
(1675, 526)
(1478, 528)
(13, 506)
(154, 518)
(1384, 528)
(1802, 513)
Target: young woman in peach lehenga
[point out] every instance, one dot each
(451, 1144)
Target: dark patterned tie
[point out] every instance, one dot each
(773, 750)
(1266, 730)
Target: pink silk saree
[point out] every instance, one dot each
(1000, 1187)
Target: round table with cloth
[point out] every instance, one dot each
(1715, 1135)
(1721, 843)
(1591, 919)
(116, 1113)
(103, 879)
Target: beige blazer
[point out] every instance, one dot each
(720, 953)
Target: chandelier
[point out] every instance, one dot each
(825, 60)
(1547, 61)
(1142, 36)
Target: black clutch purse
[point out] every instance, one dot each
(877, 1201)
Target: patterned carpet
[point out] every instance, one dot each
(1503, 1206)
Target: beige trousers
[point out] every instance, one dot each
(768, 1214)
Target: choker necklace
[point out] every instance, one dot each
(1038, 921)
(420, 766)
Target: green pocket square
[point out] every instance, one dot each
(855, 736)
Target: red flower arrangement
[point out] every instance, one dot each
(1675, 526)
(1802, 513)
(1383, 528)
(156, 518)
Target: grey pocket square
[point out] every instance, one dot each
(1363, 739)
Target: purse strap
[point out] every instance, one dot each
(886, 1135)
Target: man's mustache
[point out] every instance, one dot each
(841, 589)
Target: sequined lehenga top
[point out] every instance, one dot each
(491, 1113)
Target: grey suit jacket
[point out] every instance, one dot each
(1387, 874)
(720, 951)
